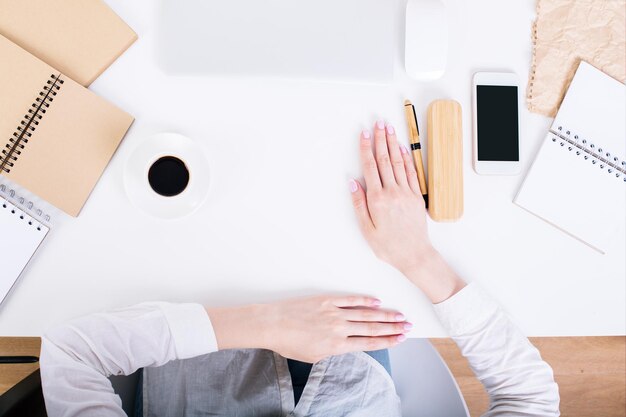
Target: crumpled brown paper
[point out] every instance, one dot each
(566, 32)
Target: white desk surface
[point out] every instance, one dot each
(278, 221)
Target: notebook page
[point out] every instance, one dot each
(573, 183)
(70, 139)
(594, 109)
(18, 242)
(575, 196)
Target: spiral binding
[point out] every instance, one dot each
(7, 205)
(14, 148)
(13, 196)
(587, 150)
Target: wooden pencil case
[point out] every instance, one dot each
(445, 161)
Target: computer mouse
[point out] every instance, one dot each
(426, 43)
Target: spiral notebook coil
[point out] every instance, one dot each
(588, 151)
(24, 131)
(20, 199)
(6, 205)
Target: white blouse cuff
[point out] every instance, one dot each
(466, 311)
(191, 329)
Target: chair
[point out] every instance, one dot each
(24, 399)
(423, 381)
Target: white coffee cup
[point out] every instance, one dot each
(142, 194)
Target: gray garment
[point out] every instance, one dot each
(253, 382)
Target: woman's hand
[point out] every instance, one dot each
(310, 329)
(392, 214)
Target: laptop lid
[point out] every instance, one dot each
(349, 40)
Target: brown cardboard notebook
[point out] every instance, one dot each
(80, 38)
(56, 136)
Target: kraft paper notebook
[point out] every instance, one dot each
(80, 38)
(56, 136)
(578, 179)
(21, 236)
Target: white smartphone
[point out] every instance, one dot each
(496, 105)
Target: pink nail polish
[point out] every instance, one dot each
(401, 338)
(400, 317)
(390, 130)
(366, 134)
(380, 124)
(408, 326)
(403, 149)
(353, 186)
(376, 302)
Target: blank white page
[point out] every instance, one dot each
(594, 108)
(577, 181)
(20, 236)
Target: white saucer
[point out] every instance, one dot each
(136, 176)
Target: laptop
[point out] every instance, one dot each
(343, 40)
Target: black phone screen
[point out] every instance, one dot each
(497, 123)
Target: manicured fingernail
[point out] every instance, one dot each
(366, 134)
(408, 326)
(401, 338)
(380, 124)
(399, 317)
(390, 130)
(376, 302)
(353, 186)
(403, 149)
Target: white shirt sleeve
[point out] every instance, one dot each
(77, 358)
(518, 381)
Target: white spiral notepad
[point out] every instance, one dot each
(578, 179)
(20, 236)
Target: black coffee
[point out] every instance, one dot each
(168, 176)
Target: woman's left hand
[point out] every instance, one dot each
(310, 329)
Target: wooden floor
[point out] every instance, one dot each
(590, 371)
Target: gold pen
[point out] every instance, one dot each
(414, 136)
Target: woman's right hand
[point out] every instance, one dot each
(310, 329)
